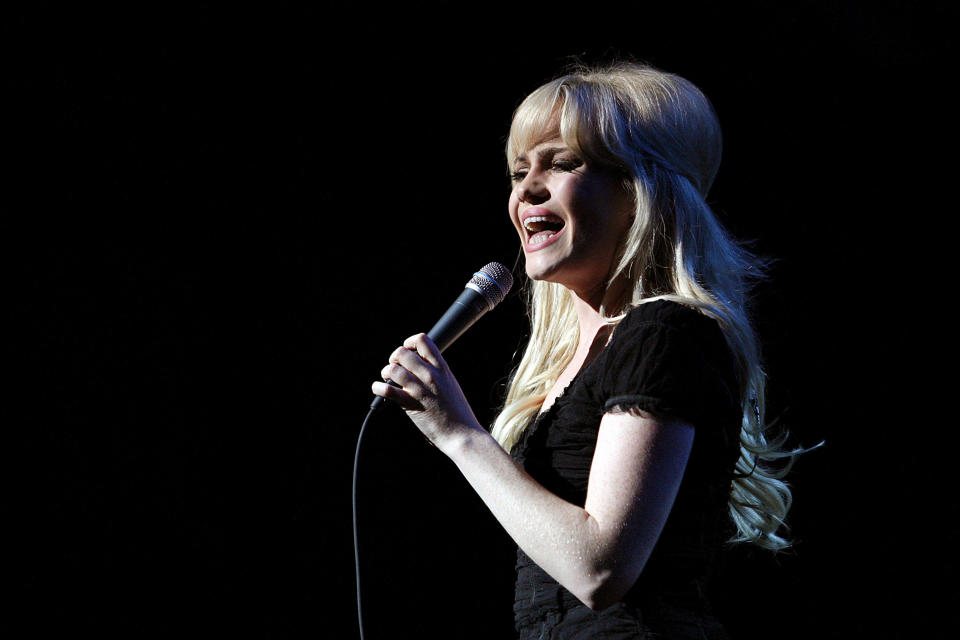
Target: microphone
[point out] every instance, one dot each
(485, 290)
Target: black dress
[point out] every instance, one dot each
(671, 361)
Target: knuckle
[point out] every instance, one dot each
(430, 378)
(396, 373)
(416, 341)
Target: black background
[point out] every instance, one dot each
(221, 220)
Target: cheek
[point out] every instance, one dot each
(604, 216)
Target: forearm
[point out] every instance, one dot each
(562, 538)
(596, 551)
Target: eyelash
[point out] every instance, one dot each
(559, 165)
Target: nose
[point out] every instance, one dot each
(532, 189)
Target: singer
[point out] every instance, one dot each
(632, 444)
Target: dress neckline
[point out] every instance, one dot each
(583, 367)
(563, 393)
(542, 416)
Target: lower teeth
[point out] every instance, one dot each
(541, 237)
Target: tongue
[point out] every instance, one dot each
(547, 225)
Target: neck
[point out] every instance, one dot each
(592, 306)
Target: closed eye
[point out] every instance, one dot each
(567, 165)
(558, 159)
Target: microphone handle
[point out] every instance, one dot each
(461, 315)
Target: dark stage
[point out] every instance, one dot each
(224, 220)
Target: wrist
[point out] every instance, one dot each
(459, 443)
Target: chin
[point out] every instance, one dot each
(541, 272)
(549, 275)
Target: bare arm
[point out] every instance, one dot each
(597, 551)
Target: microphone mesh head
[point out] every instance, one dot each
(494, 282)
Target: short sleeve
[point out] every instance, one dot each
(670, 360)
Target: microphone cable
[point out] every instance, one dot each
(486, 289)
(356, 538)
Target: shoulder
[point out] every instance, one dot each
(668, 340)
(671, 359)
(667, 316)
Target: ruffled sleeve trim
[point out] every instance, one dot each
(671, 361)
(624, 403)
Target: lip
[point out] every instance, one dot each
(538, 211)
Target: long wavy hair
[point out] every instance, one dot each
(662, 135)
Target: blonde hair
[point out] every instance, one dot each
(662, 135)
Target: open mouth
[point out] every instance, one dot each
(541, 228)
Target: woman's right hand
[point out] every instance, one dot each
(427, 391)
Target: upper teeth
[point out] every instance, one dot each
(526, 223)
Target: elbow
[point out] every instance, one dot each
(599, 602)
(604, 590)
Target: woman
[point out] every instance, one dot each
(631, 444)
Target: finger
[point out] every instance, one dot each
(404, 378)
(426, 373)
(399, 351)
(425, 348)
(408, 358)
(396, 395)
